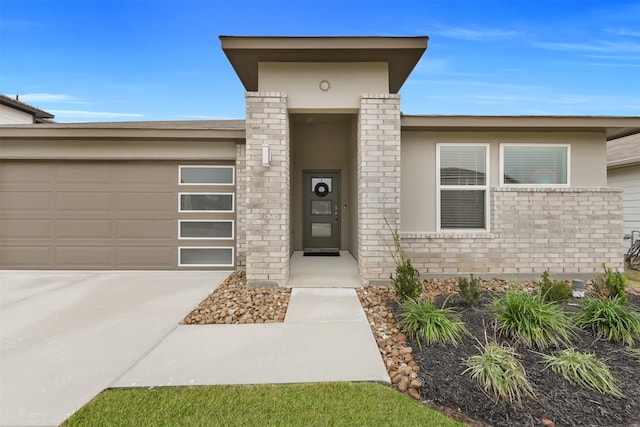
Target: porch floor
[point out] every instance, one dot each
(323, 271)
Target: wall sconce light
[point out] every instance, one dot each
(266, 155)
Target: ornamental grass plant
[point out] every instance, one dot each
(532, 319)
(584, 369)
(499, 373)
(426, 323)
(611, 319)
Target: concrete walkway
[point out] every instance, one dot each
(325, 337)
(66, 336)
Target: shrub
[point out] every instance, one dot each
(469, 289)
(498, 372)
(610, 318)
(406, 282)
(611, 284)
(584, 369)
(537, 322)
(554, 290)
(424, 322)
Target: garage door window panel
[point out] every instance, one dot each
(207, 175)
(206, 202)
(206, 256)
(206, 229)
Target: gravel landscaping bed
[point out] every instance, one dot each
(234, 303)
(439, 367)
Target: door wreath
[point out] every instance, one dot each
(321, 189)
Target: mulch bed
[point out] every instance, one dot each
(557, 402)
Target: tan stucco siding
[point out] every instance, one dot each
(125, 149)
(588, 165)
(301, 82)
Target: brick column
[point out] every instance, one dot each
(378, 183)
(241, 205)
(267, 190)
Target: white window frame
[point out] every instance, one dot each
(205, 193)
(233, 174)
(567, 146)
(233, 227)
(233, 256)
(484, 187)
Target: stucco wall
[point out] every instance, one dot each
(588, 167)
(301, 83)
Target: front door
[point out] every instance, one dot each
(321, 211)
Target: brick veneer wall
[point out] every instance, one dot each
(570, 231)
(241, 205)
(267, 190)
(378, 182)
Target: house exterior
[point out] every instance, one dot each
(13, 111)
(623, 171)
(323, 161)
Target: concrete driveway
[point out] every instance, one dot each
(67, 335)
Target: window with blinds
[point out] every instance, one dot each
(535, 165)
(462, 186)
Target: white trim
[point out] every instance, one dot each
(233, 174)
(180, 221)
(180, 264)
(485, 187)
(205, 193)
(567, 146)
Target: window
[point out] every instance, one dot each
(206, 256)
(205, 229)
(462, 200)
(207, 175)
(535, 165)
(205, 202)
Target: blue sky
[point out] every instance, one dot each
(120, 60)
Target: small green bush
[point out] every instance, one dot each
(610, 318)
(537, 322)
(611, 284)
(469, 289)
(498, 372)
(584, 369)
(554, 290)
(406, 282)
(424, 322)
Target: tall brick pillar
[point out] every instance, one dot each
(378, 183)
(266, 197)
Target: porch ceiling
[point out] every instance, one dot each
(401, 53)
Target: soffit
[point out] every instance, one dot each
(401, 53)
(614, 127)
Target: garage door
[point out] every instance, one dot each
(116, 215)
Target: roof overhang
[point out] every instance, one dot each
(614, 127)
(39, 116)
(200, 129)
(401, 53)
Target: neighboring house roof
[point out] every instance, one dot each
(39, 116)
(623, 151)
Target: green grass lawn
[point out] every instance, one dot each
(326, 404)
